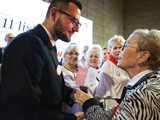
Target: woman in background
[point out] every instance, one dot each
(93, 59)
(112, 78)
(69, 69)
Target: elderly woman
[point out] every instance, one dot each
(69, 69)
(112, 78)
(93, 59)
(114, 46)
(70, 64)
(141, 101)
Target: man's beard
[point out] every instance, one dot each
(61, 36)
(59, 32)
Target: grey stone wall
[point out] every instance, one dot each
(107, 17)
(141, 14)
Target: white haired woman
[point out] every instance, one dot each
(93, 59)
(69, 70)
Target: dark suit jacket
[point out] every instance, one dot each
(31, 88)
(1, 49)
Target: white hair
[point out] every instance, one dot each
(149, 40)
(95, 48)
(114, 39)
(71, 46)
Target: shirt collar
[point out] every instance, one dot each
(137, 77)
(49, 35)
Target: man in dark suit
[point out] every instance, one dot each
(31, 88)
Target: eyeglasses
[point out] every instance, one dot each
(74, 20)
(73, 53)
(126, 45)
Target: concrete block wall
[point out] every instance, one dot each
(120, 17)
(141, 14)
(107, 17)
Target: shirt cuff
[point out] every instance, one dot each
(90, 103)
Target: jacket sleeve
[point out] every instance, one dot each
(68, 95)
(94, 111)
(20, 89)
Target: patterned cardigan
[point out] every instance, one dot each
(141, 102)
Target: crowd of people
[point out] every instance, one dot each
(36, 86)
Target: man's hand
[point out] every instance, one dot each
(79, 115)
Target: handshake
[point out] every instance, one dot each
(80, 96)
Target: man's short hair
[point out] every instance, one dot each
(62, 3)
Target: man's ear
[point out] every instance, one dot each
(54, 13)
(143, 57)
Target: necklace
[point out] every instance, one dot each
(72, 70)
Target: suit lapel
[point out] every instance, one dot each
(49, 50)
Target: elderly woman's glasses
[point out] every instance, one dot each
(126, 45)
(73, 53)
